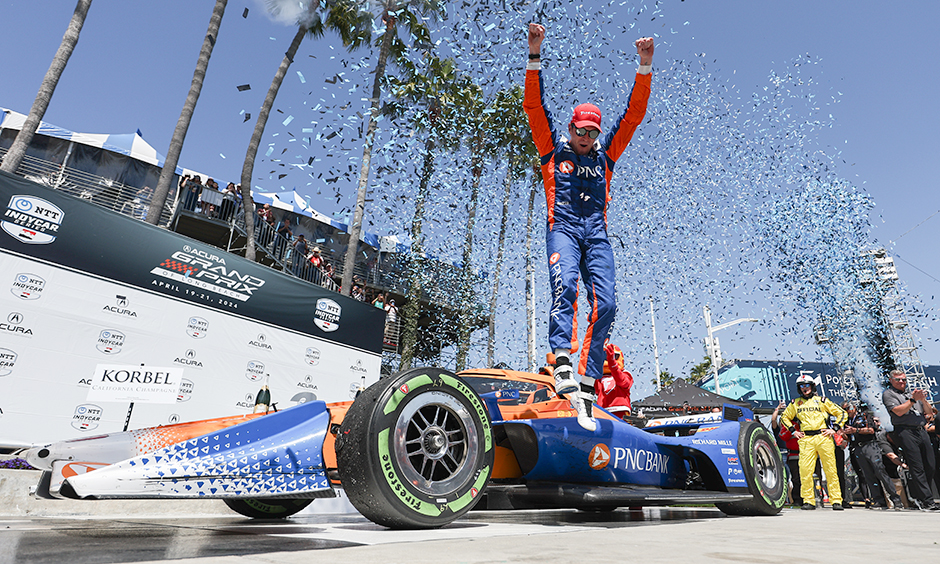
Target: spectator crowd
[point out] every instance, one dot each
(894, 469)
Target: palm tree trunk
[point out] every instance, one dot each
(467, 311)
(355, 228)
(17, 151)
(530, 269)
(162, 190)
(249, 166)
(507, 191)
(412, 307)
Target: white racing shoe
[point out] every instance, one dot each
(585, 413)
(564, 380)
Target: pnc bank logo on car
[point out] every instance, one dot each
(599, 457)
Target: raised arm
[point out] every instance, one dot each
(540, 121)
(620, 135)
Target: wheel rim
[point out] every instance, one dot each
(765, 464)
(436, 443)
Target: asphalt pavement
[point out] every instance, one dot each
(557, 536)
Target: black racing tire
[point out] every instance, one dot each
(266, 508)
(415, 450)
(763, 470)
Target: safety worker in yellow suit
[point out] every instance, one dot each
(815, 439)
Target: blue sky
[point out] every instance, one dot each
(875, 71)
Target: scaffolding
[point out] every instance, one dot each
(878, 273)
(877, 277)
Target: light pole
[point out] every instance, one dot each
(659, 385)
(711, 343)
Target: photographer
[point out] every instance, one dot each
(907, 410)
(867, 454)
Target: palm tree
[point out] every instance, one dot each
(432, 91)
(517, 142)
(182, 124)
(353, 26)
(18, 150)
(393, 12)
(478, 121)
(536, 181)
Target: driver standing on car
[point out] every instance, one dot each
(815, 439)
(577, 171)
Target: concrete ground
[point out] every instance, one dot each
(199, 532)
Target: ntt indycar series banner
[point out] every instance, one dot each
(93, 304)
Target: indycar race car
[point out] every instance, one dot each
(421, 448)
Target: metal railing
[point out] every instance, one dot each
(108, 193)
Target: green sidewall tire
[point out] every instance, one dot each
(266, 508)
(415, 450)
(763, 470)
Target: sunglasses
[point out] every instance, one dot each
(805, 386)
(582, 131)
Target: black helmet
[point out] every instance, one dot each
(805, 379)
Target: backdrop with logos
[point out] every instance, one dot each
(99, 311)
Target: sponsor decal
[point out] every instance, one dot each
(712, 442)
(590, 172)
(86, 417)
(728, 451)
(304, 397)
(260, 342)
(307, 383)
(687, 420)
(599, 457)
(186, 390)
(247, 403)
(120, 307)
(358, 368)
(312, 356)
(403, 389)
(554, 258)
(75, 468)
(566, 167)
(327, 315)
(735, 472)
(197, 327)
(173, 419)
(110, 341)
(640, 460)
(188, 359)
(207, 271)
(147, 384)
(254, 371)
(84, 382)
(27, 286)
(737, 481)
(14, 325)
(473, 492)
(732, 460)
(32, 220)
(7, 361)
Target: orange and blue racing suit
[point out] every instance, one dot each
(577, 190)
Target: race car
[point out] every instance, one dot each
(421, 448)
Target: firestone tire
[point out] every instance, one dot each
(266, 508)
(415, 450)
(763, 470)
